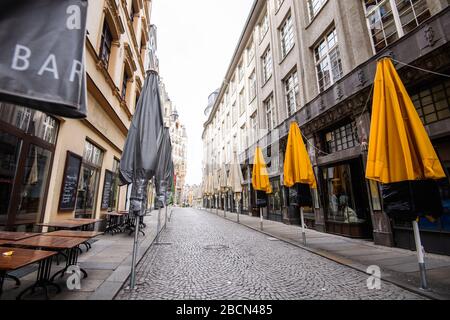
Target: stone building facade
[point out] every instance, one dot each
(313, 62)
(55, 168)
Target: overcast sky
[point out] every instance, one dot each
(196, 41)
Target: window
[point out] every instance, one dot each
(125, 80)
(314, 7)
(242, 103)
(132, 11)
(286, 36)
(250, 52)
(252, 86)
(89, 178)
(263, 27)
(240, 72)
(291, 91)
(234, 113)
(278, 4)
(254, 127)
(267, 65)
(433, 103)
(328, 61)
(388, 20)
(243, 136)
(270, 114)
(342, 138)
(233, 86)
(106, 43)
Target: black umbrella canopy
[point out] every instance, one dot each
(140, 155)
(163, 172)
(42, 55)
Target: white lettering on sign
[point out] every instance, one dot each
(20, 60)
(74, 19)
(77, 68)
(50, 66)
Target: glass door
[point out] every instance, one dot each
(10, 151)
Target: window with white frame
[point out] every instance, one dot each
(233, 86)
(240, 72)
(291, 91)
(389, 20)
(328, 61)
(286, 36)
(250, 52)
(314, 7)
(270, 114)
(267, 65)
(263, 27)
(278, 4)
(242, 103)
(252, 86)
(243, 136)
(234, 113)
(254, 127)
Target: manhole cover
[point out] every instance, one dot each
(216, 247)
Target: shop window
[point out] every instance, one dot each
(89, 180)
(342, 138)
(341, 201)
(275, 199)
(433, 103)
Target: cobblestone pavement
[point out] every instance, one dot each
(203, 257)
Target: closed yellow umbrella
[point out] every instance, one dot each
(297, 166)
(399, 146)
(260, 178)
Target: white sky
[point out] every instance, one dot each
(196, 41)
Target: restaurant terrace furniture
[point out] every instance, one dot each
(114, 222)
(58, 244)
(23, 257)
(15, 236)
(76, 234)
(88, 222)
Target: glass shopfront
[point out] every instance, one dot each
(346, 201)
(275, 201)
(89, 181)
(27, 144)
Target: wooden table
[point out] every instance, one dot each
(15, 236)
(74, 234)
(2, 242)
(59, 244)
(24, 257)
(62, 224)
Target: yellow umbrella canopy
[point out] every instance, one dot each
(260, 178)
(399, 146)
(297, 164)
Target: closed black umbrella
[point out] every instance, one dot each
(163, 174)
(140, 156)
(42, 55)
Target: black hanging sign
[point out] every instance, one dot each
(69, 186)
(42, 55)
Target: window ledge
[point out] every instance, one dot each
(286, 55)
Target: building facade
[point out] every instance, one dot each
(55, 168)
(313, 62)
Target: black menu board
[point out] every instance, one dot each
(69, 186)
(107, 186)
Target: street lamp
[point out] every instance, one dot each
(174, 116)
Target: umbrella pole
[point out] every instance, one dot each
(262, 219)
(217, 205)
(135, 249)
(225, 205)
(420, 256)
(165, 216)
(158, 225)
(302, 216)
(237, 204)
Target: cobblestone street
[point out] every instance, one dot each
(202, 256)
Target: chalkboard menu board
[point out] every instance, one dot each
(69, 186)
(107, 189)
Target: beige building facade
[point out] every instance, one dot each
(313, 62)
(64, 168)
